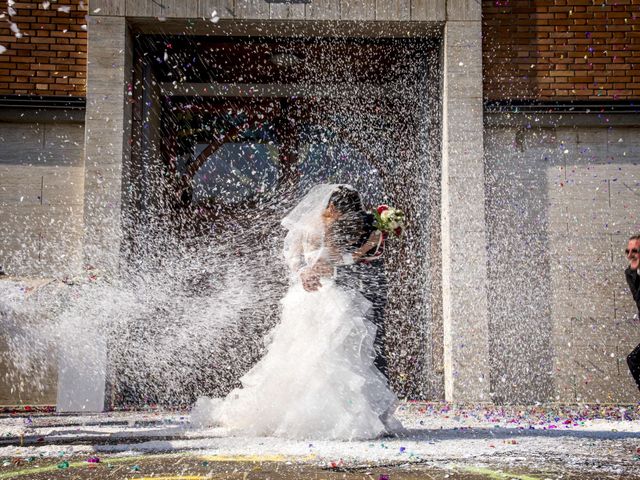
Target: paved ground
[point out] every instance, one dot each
(187, 466)
(196, 467)
(445, 441)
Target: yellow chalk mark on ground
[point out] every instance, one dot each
(135, 458)
(31, 471)
(54, 468)
(257, 458)
(496, 474)
(244, 458)
(171, 478)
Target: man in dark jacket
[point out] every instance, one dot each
(633, 279)
(368, 278)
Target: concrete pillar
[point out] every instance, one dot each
(82, 370)
(464, 256)
(107, 133)
(82, 366)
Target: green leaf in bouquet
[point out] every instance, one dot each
(378, 223)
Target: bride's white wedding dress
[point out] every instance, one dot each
(317, 379)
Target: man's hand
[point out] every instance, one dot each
(372, 243)
(311, 276)
(310, 280)
(323, 268)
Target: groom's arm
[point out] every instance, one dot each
(310, 276)
(370, 246)
(633, 280)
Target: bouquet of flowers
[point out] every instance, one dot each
(389, 220)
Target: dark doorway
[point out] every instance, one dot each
(227, 155)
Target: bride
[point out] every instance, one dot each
(317, 379)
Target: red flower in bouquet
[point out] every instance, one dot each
(389, 220)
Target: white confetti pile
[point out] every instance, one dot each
(506, 439)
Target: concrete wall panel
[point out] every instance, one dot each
(577, 194)
(397, 10)
(223, 8)
(107, 7)
(428, 10)
(323, 10)
(252, 9)
(41, 198)
(347, 10)
(285, 11)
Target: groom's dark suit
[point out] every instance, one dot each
(369, 279)
(633, 359)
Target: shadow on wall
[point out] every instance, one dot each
(560, 204)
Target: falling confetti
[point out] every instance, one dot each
(15, 29)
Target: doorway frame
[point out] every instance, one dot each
(108, 137)
(146, 139)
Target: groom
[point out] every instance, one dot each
(632, 274)
(368, 277)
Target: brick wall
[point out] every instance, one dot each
(533, 49)
(51, 56)
(561, 49)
